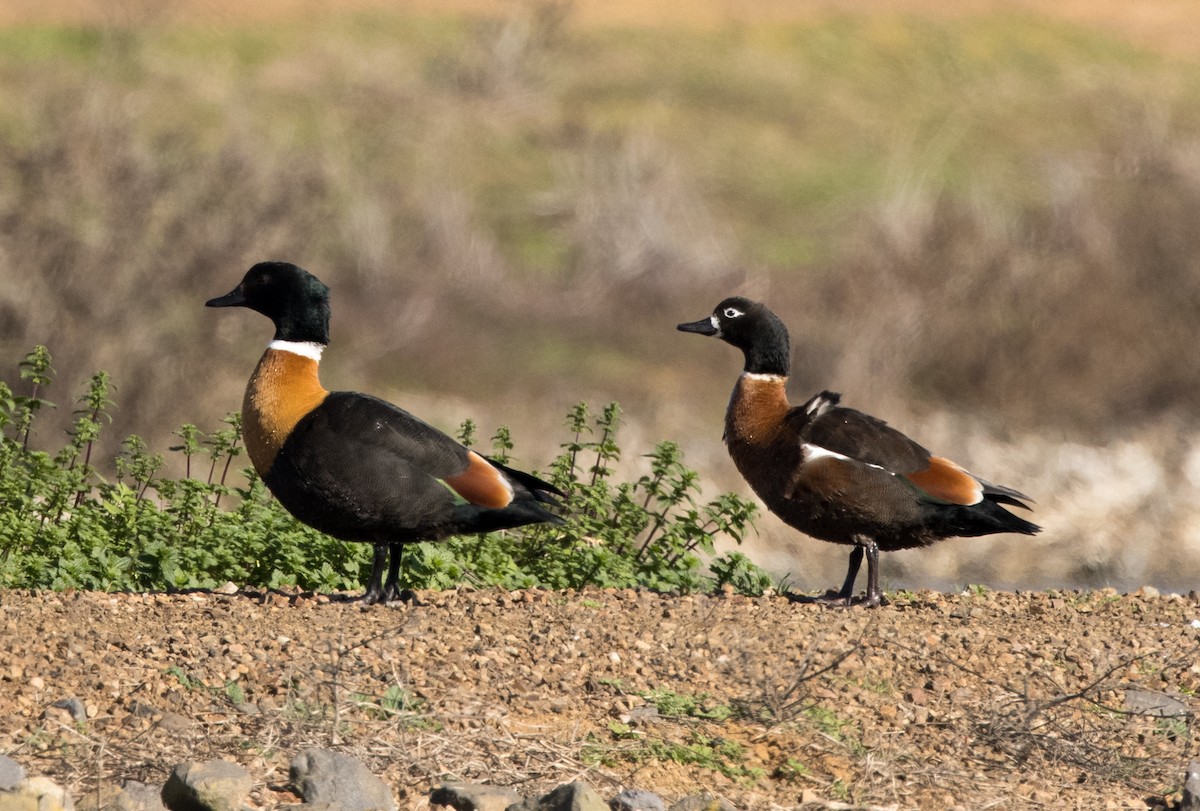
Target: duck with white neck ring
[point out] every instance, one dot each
(835, 473)
(351, 465)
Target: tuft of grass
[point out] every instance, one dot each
(715, 754)
(679, 705)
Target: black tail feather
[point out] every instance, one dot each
(988, 517)
(1005, 495)
(541, 490)
(469, 518)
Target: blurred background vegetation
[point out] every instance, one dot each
(982, 224)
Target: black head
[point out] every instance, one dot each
(293, 298)
(752, 328)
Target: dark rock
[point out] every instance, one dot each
(74, 706)
(575, 796)
(133, 796)
(702, 802)
(174, 722)
(1191, 788)
(474, 797)
(215, 785)
(319, 775)
(137, 796)
(637, 800)
(142, 710)
(11, 773)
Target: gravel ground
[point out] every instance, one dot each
(973, 700)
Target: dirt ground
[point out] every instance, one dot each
(974, 700)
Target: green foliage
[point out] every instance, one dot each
(649, 532)
(716, 754)
(63, 525)
(792, 771)
(682, 705)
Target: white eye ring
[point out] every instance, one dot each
(732, 312)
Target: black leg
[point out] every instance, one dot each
(391, 587)
(847, 592)
(375, 592)
(846, 595)
(874, 595)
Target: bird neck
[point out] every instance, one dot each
(768, 352)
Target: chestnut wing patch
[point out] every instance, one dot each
(481, 483)
(947, 482)
(830, 475)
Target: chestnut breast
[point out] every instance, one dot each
(282, 390)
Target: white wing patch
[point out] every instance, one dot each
(814, 452)
(819, 405)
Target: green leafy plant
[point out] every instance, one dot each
(62, 524)
(682, 705)
(650, 532)
(792, 771)
(716, 754)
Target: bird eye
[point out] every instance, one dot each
(731, 312)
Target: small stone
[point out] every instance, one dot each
(142, 710)
(702, 802)
(1191, 788)
(11, 773)
(215, 785)
(319, 775)
(102, 798)
(37, 794)
(228, 587)
(137, 796)
(474, 797)
(58, 715)
(74, 707)
(575, 796)
(174, 722)
(1159, 705)
(636, 800)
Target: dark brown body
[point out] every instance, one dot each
(872, 491)
(838, 474)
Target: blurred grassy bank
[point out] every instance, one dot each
(990, 214)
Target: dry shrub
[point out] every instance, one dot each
(1079, 312)
(113, 236)
(637, 223)
(123, 207)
